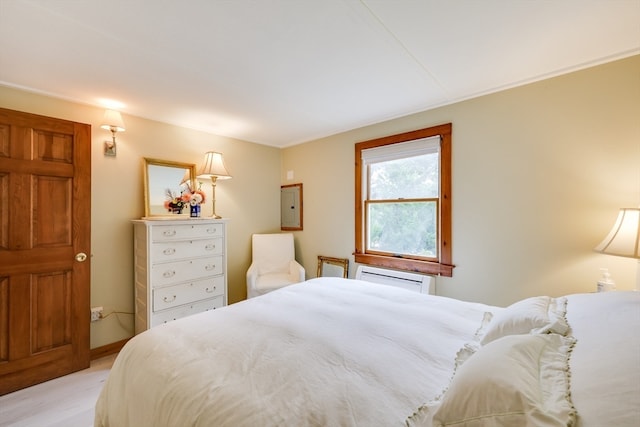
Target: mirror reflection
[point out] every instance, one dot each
(332, 267)
(164, 182)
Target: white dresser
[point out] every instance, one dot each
(180, 268)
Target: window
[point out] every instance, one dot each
(403, 201)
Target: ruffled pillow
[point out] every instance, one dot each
(516, 380)
(538, 315)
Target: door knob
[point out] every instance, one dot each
(81, 256)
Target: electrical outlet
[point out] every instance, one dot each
(96, 313)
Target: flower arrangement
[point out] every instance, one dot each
(174, 203)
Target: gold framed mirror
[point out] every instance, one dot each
(332, 267)
(165, 180)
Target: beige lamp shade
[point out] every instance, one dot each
(214, 169)
(112, 121)
(624, 237)
(213, 166)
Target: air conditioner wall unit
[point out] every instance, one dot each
(402, 279)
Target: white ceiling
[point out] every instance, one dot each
(282, 72)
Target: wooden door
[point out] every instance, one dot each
(45, 207)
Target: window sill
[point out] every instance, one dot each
(424, 267)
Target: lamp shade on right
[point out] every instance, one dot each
(624, 237)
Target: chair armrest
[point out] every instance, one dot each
(252, 276)
(296, 271)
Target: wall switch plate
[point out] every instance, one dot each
(96, 313)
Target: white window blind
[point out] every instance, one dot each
(402, 150)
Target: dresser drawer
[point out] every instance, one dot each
(168, 251)
(184, 293)
(186, 310)
(181, 271)
(164, 233)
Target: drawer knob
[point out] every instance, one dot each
(211, 230)
(169, 233)
(210, 290)
(168, 274)
(210, 267)
(169, 251)
(210, 247)
(169, 299)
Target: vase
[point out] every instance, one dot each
(195, 211)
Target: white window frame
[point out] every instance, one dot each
(387, 153)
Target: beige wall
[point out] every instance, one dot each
(250, 200)
(539, 173)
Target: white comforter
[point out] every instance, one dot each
(327, 352)
(605, 363)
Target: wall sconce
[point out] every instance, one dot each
(112, 121)
(624, 238)
(214, 168)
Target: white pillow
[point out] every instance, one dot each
(518, 380)
(538, 315)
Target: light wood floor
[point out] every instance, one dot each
(67, 401)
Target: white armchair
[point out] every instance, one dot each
(273, 264)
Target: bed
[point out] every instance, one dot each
(341, 352)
